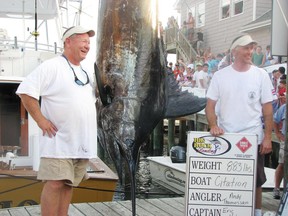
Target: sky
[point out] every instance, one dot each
(166, 10)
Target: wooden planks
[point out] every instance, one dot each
(144, 207)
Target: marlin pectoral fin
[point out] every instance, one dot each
(181, 103)
(105, 92)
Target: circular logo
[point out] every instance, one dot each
(210, 145)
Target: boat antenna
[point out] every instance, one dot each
(35, 33)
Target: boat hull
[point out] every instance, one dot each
(20, 187)
(167, 174)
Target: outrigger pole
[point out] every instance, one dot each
(35, 33)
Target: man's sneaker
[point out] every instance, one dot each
(276, 193)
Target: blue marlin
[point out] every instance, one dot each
(136, 89)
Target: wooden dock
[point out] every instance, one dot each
(144, 207)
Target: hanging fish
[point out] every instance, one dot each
(134, 85)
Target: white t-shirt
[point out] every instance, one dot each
(70, 107)
(202, 76)
(241, 95)
(195, 77)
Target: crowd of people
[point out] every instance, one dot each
(193, 73)
(279, 110)
(198, 72)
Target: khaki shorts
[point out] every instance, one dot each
(281, 153)
(73, 171)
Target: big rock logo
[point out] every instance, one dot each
(211, 146)
(243, 145)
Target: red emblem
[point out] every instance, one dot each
(243, 145)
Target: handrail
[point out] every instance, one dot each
(171, 35)
(186, 46)
(176, 36)
(7, 44)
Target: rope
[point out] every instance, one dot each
(13, 189)
(127, 192)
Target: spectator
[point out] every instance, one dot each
(213, 63)
(182, 71)
(280, 131)
(190, 26)
(268, 58)
(207, 55)
(176, 70)
(197, 61)
(226, 60)
(170, 66)
(275, 77)
(281, 71)
(190, 73)
(200, 44)
(202, 77)
(184, 29)
(195, 82)
(257, 57)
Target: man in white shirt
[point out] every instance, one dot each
(195, 81)
(245, 92)
(67, 118)
(202, 77)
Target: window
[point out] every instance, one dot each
(225, 9)
(238, 7)
(200, 14)
(230, 8)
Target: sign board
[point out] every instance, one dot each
(283, 206)
(221, 174)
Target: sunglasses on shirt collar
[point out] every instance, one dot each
(76, 80)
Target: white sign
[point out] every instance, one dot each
(221, 174)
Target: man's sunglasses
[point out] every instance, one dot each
(77, 81)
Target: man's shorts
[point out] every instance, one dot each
(281, 153)
(73, 171)
(261, 177)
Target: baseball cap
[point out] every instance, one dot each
(242, 41)
(198, 64)
(191, 66)
(77, 30)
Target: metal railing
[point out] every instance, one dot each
(6, 44)
(171, 35)
(183, 46)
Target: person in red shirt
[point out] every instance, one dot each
(176, 70)
(282, 92)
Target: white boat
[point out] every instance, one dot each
(172, 176)
(21, 50)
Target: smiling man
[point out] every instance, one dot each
(67, 118)
(243, 93)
